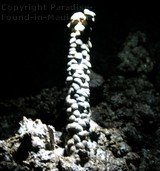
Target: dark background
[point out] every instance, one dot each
(34, 53)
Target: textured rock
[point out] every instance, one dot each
(128, 113)
(78, 83)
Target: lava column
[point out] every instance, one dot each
(78, 107)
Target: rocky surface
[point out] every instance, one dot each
(125, 120)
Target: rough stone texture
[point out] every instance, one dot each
(35, 146)
(78, 80)
(38, 146)
(125, 132)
